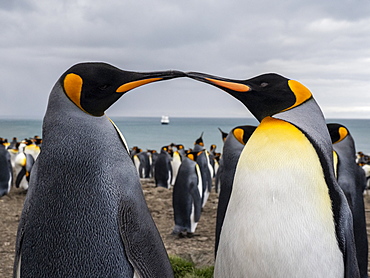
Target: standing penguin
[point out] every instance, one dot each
(85, 213)
(163, 169)
(205, 168)
(141, 161)
(233, 146)
(177, 157)
(187, 196)
(287, 218)
(6, 170)
(23, 164)
(352, 180)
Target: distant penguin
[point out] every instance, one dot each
(13, 144)
(181, 149)
(366, 168)
(6, 170)
(352, 180)
(142, 163)
(187, 197)
(37, 140)
(287, 215)
(32, 149)
(220, 163)
(233, 146)
(152, 158)
(163, 169)
(144, 168)
(23, 164)
(13, 151)
(211, 155)
(205, 168)
(85, 214)
(223, 134)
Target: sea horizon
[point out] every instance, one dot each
(147, 132)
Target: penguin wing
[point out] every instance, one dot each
(29, 164)
(319, 137)
(20, 176)
(197, 199)
(142, 241)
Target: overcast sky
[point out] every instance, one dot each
(323, 44)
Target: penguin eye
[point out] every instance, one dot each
(103, 87)
(264, 84)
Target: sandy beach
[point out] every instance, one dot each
(198, 249)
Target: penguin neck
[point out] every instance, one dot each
(308, 118)
(62, 115)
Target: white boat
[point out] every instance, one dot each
(165, 120)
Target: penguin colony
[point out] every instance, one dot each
(301, 215)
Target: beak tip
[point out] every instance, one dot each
(177, 73)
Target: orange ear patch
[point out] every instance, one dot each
(239, 133)
(300, 91)
(343, 132)
(73, 86)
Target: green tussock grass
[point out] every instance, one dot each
(185, 269)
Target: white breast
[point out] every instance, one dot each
(279, 221)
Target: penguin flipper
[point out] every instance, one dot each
(20, 176)
(197, 201)
(145, 252)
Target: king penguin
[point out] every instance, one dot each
(163, 169)
(177, 157)
(187, 196)
(23, 165)
(289, 217)
(85, 214)
(233, 146)
(352, 180)
(205, 168)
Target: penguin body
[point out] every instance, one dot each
(163, 169)
(85, 213)
(142, 163)
(23, 163)
(288, 218)
(6, 171)
(205, 168)
(352, 180)
(153, 155)
(187, 197)
(32, 149)
(175, 165)
(233, 146)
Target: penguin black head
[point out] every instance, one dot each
(263, 95)
(337, 132)
(193, 155)
(3, 141)
(199, 141)
(223, 134)
(179, 147)
(94, 87)
(243, 133)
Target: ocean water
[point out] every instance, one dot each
(149, 133)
